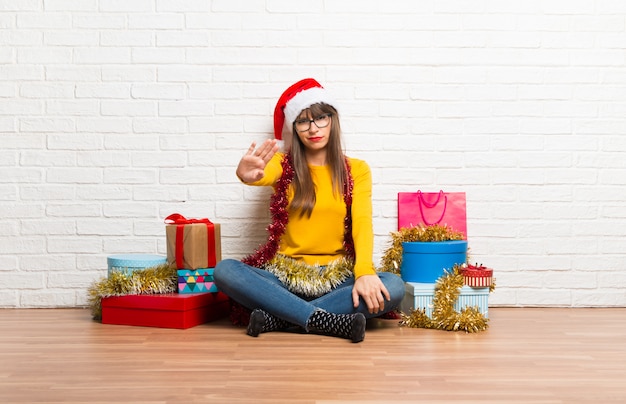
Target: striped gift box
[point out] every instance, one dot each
(477, 276)
(420, 296)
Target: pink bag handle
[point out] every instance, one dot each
(421, 200)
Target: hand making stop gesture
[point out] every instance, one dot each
(252, 164)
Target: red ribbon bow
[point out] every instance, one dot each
(177, 218)
(180, 221)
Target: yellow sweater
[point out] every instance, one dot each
(319, 239)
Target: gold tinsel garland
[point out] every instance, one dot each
(148, 281)
(444, 317)
(309, 280)
(447, 288)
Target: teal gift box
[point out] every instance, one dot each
(128, 263)
(196, 280)
(419, 296)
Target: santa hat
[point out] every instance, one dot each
(299, 96)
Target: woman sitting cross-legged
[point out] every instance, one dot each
(316, 270)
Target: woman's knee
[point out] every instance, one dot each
(222, 268)
(394, 285)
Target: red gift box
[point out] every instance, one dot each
(171, 310)
(477, 276)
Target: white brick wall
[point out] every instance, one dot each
(116, 113)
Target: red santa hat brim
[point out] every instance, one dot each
(296, 98)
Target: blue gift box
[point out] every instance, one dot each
(419, 296)
(425, 262)
(131, 262)
(196, 280)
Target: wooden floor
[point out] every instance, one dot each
(527, 356)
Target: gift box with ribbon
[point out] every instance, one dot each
(192, 243)
(477, 276)
(196, 280)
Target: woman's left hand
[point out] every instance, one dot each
(373, 292)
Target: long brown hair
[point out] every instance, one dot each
(304, 189)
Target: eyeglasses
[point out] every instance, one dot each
(322, 121)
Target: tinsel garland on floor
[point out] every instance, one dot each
(149, 281)
(444, 317)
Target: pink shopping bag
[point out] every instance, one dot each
(428, 208)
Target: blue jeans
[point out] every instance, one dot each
(256, 288)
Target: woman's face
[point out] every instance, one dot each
(313, 131)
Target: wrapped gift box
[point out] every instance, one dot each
(172, 310)
(131, 262)
(420, 296)
(192, 243)
(196, 280)
(477, 276)
(425, 262)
